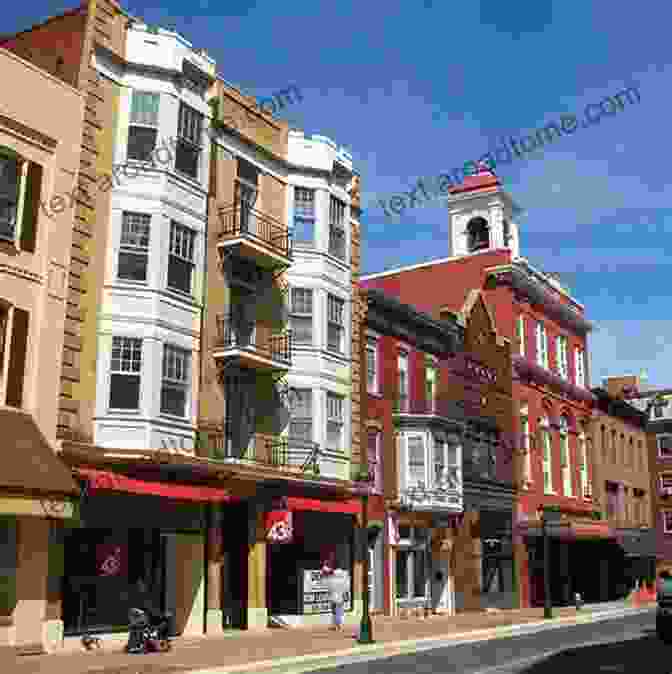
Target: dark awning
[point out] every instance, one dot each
(29, 464)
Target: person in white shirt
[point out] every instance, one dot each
(337, 584)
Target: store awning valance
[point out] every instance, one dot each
(106, 480)
(351, 506)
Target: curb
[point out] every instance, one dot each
(380, 651)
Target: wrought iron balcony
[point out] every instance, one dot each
(256, 236)
(252, 344)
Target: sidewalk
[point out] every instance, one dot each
(241, 651)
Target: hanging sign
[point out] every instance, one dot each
(278, 526)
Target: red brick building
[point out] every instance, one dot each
(552, 402)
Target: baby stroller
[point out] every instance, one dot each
(149, 632)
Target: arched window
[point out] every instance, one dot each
(478, 231)
(547, 458)
(565, 459)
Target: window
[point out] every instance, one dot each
(411, 571)
(667, 521)
(579, 367)
(565, 459)
(583, 464)
(372, 365)
(664, 446)
(335, 419)
(134, 247)
(666, 480)
(189, 132)
(603, 440)
(337, 228)
(181, 258)
(14, 324)
(520, 334)
(20, 193)
(125, 373)
(547, 461)
(631, 453)
(416, 461)
(478, 234)
(301, 318)
(375, 459)
(525, 441)
(542, 345)
(402, 365)
(304, 215)
(561, 356)
(144, 125)
(430, 388)
(175, 382)
(335, 323)
(301, 415)
(612, 499)
(402, 573)
(439, 462)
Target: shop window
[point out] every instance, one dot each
(125, 369)
(301, 316)
(134, 247)
(8, 564)
(175, 381)
(304, 215)
(144, 126)
(189, 133)
(419, 573)
(402, 573)
(181, 258)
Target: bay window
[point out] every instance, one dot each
(417, 469)
(125, 372)
(144, 126)
(134, 247)
(175, 381)
(337, 237)
(181, 258)
(335, 323)
(335, 421)
(301, 316)
(304, 215)
(189, 136)
(301, 414)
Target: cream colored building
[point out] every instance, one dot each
(40, 132)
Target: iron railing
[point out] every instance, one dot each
(254, 336)
(239, 219)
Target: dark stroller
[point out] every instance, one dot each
(149, 632)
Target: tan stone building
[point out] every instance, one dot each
(40, 129)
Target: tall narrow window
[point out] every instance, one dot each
(542, 345)
(561, 356)
(301, 415)
(430, 388)
(10, 179)
(304, 215)
(580, 367)
(440, 468)
(134, 247)
(416, 461)
(565, 458)
(335, 323)
(144, 125)
(525, 442)
(586, 491)
(547, 459)
(337, 237)
(301, 319)
(18, 356)
(125, 370)
(181, 258)
(335, 419)
(372, 365)
(189, 136)
(175, 381)
(375, 459)
(520, 334)
(402, 373)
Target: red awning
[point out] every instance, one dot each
(351, 506)
(102, 479)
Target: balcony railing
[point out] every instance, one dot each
(269, 239)
(253, 343)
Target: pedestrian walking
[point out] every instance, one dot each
(337, 585)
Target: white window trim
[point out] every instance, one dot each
(521, 334)
(292, 313)
(582, 447)
(580, 367)
(658, 439)
(343, 352)
(402, 357)
(334, 420)
(140, 374)
(562, 364)
(527, 456)
(545, 433)
(22, 165)
(311, 398)
(372, 345)
(542, 345)
(407, 437)
(186, 384)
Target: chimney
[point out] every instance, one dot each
(622, 387)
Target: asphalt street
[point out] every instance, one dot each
(621, 645)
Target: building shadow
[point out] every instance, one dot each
(646, 654)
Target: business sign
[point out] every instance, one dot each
(316, 592)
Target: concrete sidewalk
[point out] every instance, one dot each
(303, 649)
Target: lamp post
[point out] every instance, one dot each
(365, 628)
(548, 606)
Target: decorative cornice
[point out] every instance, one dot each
(532, 286)
(526, 369)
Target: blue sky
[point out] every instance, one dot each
(419, 87)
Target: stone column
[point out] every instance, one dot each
(257, 612)
(215, 558)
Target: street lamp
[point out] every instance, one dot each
(548, 516)
(365, 628)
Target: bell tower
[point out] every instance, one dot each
(482, 216)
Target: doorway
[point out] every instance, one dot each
(235, 568)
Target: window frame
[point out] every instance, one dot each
(332, 302)
(133, 124)
(190, 142)
(659, 437)
(307, 419)
(525, 434)
(431, 367)
(179, 241)
(335, 420)
(403, 357)
(661, 479)
(337, 228)
(414, 435)
(565, 457)
(307, 220)
(22, 182)
(547, 454)
(582, 451)
(128, 343)
(520, 334)
(542, 345)
(183, 384)
(372, 384)
(561, 356)
(133, 249)
(579, 367)
(308, 298)
(375, 463)
(664, 514)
